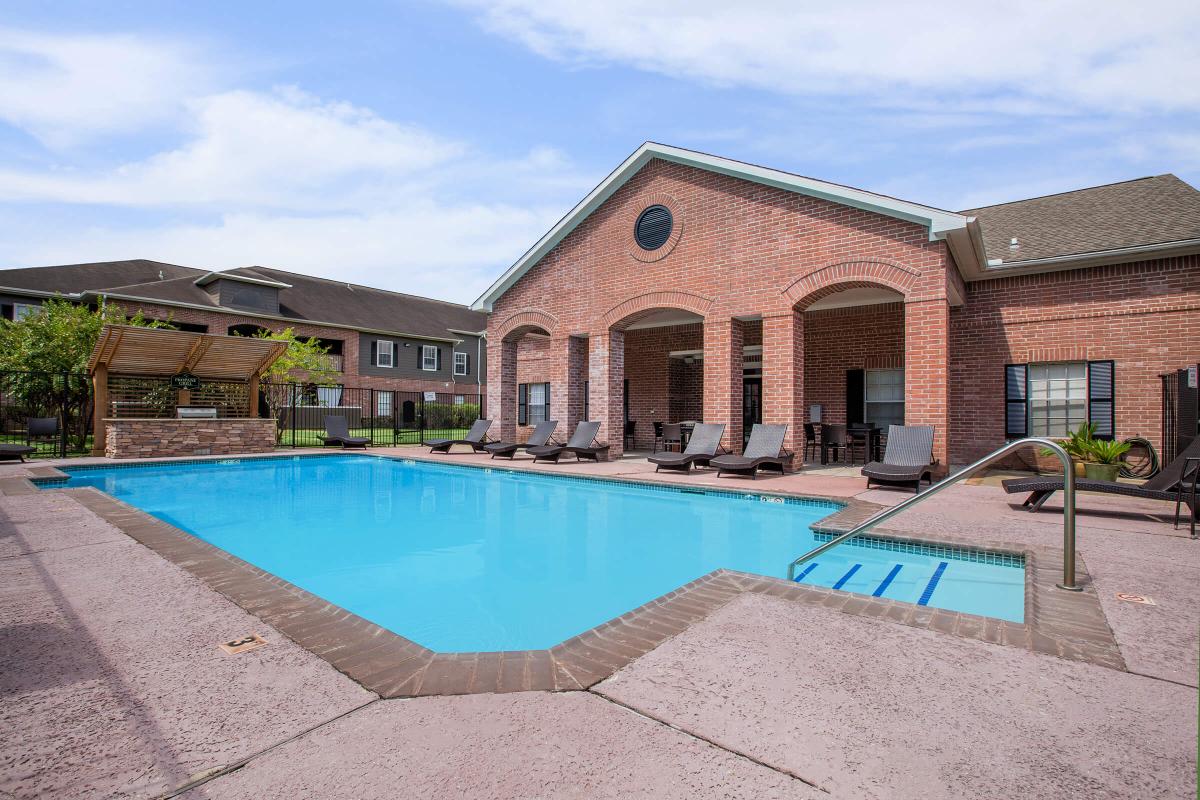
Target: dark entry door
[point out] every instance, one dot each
(751, 406)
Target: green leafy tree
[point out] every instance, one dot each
(305, 360)
(43, 360)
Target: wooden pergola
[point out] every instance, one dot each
(166, 353)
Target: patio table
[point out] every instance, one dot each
(871, 433)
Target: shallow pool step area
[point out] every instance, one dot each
(943, 582)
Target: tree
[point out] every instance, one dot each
(304, 360)
(43, 358)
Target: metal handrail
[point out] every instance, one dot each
(1068, 507)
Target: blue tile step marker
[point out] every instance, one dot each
(933, 582)
(807, 570)
(891, 576)
(850, 574)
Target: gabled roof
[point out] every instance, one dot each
(1138, 213)
(302, 298)
(76, 278)
(940, 223)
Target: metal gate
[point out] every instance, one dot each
(48, 411)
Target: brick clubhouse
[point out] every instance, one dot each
(688, 286)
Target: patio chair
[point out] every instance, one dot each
(810, 440)
(541, 436)
(833, 437)
(765, 449)
(630, 433)
(582, 444)
(476, 438)
(908, 458)
(704, 444)
(337, 432)
(658, 434)
(17, 451)
(40, 428)
(1169, 484)
(672, 435)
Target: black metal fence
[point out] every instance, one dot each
(50, 412)
(385, 416)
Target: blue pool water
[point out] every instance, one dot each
(461, 559)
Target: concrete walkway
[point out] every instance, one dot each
(112, 685)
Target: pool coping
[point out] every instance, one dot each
(1064, 624)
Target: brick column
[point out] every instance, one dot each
(567, 372)
(606, 371)
(723, 377)
(502, 390)
(927, 372)
(783, 377)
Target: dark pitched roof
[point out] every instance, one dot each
(306, 299)
(75, 278)
(1138, 212)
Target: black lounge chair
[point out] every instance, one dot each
(702, 447)
(765, 449)
(582, 443)
(539, 438)
(1169, 484)
(476, 438)
(337, 432)
(907, 460)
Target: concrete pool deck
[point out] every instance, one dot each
(111, 684)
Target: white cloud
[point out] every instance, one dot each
(64, 89)
(1014, 57)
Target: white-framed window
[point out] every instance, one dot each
(23, 310)
(539, 399)
(883, 397)
(385, 353)
(1058, 398)
(383, 404)
(429, 357)
(460, 363)
(460, 399)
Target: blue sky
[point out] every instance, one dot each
(422, 146)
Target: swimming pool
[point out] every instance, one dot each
(462, 559)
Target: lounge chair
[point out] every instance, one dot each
(582, 443)
(765, 449)
(1169, 484)
(476, 438)
(907, 460)
(539, 438)
(337, 432)
(17, 451)
(701, 448)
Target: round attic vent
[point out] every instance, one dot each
(653, 227)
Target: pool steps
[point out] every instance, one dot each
(876, 583)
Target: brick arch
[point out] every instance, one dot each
(834, 278)
(626, 313)
(524, 321)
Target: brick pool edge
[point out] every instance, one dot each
(1064, 624)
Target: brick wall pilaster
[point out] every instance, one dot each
(606, 370)
(502, 390)
(723, 377)
(926, 371)
(783, 376)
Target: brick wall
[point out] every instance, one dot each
(162, 438)
(1145, 316)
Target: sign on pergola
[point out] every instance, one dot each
(182, 359)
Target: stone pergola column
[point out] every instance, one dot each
(606, 371)
(927, 372)
(783, 377)
(502, 390)
(723, 377)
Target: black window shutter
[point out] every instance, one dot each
(467, 359)
(420, 356)
(523, 404)
(546, 389)
(587, 399)
(437, 360)
(856, 387)
(1016, 396)
(1101, 380)
(374, 353)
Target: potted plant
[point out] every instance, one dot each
(1104, 459)
(1078, 446)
